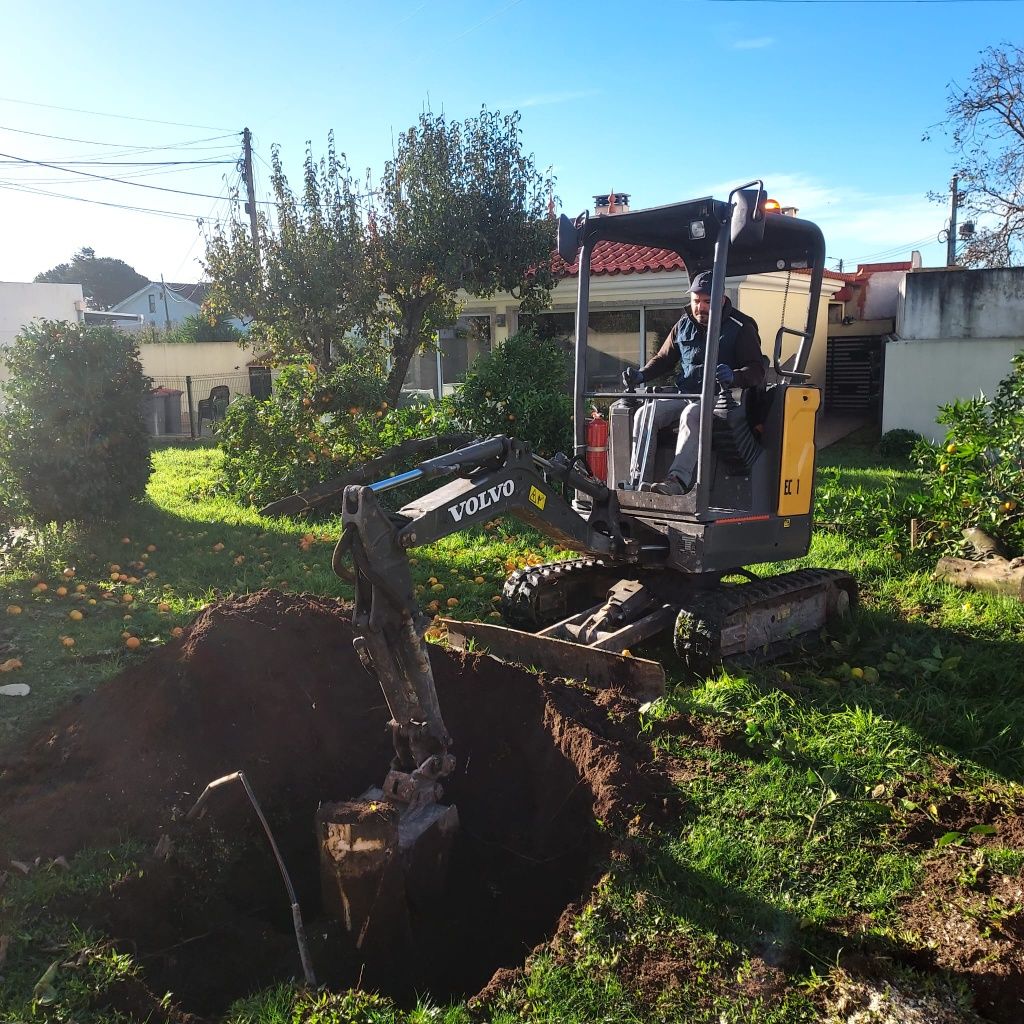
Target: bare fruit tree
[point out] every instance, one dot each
(986, 127)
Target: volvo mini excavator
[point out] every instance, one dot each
(648, 562)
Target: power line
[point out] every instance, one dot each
(894, 250)
(97, 202)
(121, 181)
(129, 163)
(116, 145)
(122, 117)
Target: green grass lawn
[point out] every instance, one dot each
(790, 831)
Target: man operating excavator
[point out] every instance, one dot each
(741, 365)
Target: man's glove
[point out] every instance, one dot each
(723, 371)
(631, 376)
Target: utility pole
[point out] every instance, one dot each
(250, 190)
(954, 202)
(167, 310)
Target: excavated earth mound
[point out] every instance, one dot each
(270, 684)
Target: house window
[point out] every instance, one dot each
(152, 303)
(461, 346)
(657, 324)
(550, 326)
(612, 345)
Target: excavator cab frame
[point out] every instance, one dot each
(731, 238)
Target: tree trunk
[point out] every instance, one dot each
(994, 573)
(402, 353)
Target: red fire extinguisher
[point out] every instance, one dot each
(597, 446)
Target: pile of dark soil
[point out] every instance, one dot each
(270, 684)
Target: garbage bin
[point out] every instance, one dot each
(172, 410)
(153, 411)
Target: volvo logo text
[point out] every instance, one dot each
(470, 506)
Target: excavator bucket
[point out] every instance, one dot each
(382, 866)
(598, 667)
(383, 856)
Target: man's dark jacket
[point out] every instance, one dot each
(739, 345)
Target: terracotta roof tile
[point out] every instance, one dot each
(618, 258)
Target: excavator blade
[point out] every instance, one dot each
(638, 677)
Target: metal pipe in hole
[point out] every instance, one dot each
(300, 931)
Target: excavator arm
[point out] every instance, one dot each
(499, 476)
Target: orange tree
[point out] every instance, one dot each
(73, 445)
(975, 478)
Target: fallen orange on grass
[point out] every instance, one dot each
(68, 641)
(151, 547)
(61, 591)
(163, 606)
(69, 574)
(13, 609)
(75, 615)
(133, 643)
(177, 631)
(40, 587)
(10, 665)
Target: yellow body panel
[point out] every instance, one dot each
(796, 481)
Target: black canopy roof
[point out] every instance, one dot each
(788, 243)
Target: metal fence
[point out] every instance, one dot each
(192, 405)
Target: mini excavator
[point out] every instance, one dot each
(648, 563)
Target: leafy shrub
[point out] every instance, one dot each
(975, 478)
(862, 513)
(315, 427)
(898, 443)
(73, 445)
(202, 327)
(521, 388)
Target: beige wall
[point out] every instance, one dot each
(201, 358)
(922, 375)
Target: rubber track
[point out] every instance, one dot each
(698, 630)
(524, 588)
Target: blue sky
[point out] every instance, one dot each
(826, 101)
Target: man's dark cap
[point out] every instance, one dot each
(701, 284)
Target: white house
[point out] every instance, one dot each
(166, 305)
